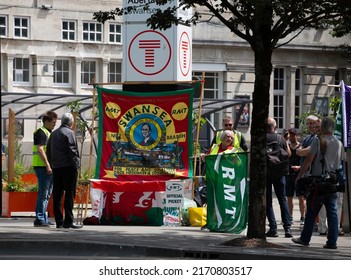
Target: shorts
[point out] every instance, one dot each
(291, 186)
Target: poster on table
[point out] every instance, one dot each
(176, 192)
(144, 135)
(227, 192)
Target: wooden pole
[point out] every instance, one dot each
(91, 152)
(198, 124)
(92, 134)
(11, 147)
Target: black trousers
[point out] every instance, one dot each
(64, 182)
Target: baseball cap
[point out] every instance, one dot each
(293, 131)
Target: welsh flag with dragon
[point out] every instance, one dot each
(130, 202)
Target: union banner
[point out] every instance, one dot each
(227, 192)
(144, 136)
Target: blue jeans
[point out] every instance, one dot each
(45, 184)
(279, 189)
(314, 204)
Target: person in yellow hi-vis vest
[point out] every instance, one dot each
(42, 168)
(226, 145)
(239, 141)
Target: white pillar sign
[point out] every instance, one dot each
(154, 55)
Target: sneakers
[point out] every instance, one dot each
(299, 241)
(41, 225)
(302, 221)
(38, 223)
(327, 246)
(288, 233)
(73, 225)
(272, 233)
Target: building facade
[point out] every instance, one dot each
(50, 46)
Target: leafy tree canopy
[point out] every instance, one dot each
(248, 18)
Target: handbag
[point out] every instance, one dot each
(328, 183)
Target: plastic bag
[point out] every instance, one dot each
(198, 216)
(184, 211)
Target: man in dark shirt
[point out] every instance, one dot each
(279, 188)
(62, 152)
(239, 139)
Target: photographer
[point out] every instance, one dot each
(324, 157)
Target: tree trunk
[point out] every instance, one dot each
(257, 189)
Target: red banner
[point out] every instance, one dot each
(144, 136)
(128, 186)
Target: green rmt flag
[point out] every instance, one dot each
(227, 192)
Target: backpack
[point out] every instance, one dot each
(277, 159)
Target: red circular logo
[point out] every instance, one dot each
(149, 52)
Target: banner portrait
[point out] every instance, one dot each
(227, 192)
(144, 136)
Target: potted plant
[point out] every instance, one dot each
(21, 194)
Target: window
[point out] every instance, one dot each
(320, 105)
(279, 79)
(19, 127)
(210, 86)
(115, 33)
(297, 110)
(21, 70)
(3, 26)
(337, 80)
(69, 30)
(279, 96)
(61, 71)
(88, 70)
(21, 27)
(92, 32)
(298, 87)
(298, 79)
(2, 69)
(278, 110)
(114, 72)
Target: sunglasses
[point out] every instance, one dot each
(228, 124)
